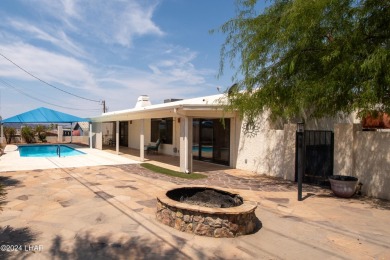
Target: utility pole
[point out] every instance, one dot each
(104, 106)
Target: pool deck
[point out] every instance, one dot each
(11, 160)
(108, 212)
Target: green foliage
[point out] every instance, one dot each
(53, 126)
(301, 58)
(28, 134)
(40, 130)
(9, 133)
(165, 171)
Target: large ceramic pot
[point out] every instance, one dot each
(343, 186)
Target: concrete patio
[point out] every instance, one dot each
(108, 212)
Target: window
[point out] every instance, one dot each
(162, 128)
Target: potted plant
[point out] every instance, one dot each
(343, 186)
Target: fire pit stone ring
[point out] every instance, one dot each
(174, 211)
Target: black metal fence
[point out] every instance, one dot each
(318, 157)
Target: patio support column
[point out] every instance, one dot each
(142, 141)
(186, 145)
(71, 132)
(117, 137)
(60, 133)
(2, 134)
(90, 135)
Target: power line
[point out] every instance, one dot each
(7, 84)
(98, 101)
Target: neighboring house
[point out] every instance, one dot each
(81, 129)
(66, 132)
(78, 129)
(198, 129)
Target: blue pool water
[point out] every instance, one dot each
(47, 151)
(195, 149)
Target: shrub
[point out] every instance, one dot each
(28, 134)
(41, 132)
(9, 133)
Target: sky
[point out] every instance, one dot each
(69, 55)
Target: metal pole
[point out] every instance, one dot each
(90, 135)
(300, 166)
(300, 159)
(71, 133)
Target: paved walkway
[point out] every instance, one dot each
(108, 212)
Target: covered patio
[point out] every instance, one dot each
(44, 115)
(132, 129)
(163, 160)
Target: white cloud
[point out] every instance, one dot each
(48, 66)
(58, 38)
(114, 21)
(69, 7)
(83, 29)
(133, 21)
(178, 67)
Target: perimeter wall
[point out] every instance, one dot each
(363, 154)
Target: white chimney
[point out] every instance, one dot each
(143, 101)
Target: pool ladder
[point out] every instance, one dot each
(59, 150)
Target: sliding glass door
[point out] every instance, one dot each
(124, 133)
(211, 140)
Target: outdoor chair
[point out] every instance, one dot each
(111, 142)
(154, 147)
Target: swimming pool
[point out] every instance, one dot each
(205, 149)
(47, 151)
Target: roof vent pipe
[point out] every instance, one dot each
(143, 101)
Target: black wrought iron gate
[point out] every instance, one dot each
(318, 157)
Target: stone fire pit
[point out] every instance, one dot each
(206, 211)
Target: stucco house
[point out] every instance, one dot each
(199, 129)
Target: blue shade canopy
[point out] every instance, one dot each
(44, 115)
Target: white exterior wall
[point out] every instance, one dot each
(134, 138)
(372, 163)
(365, 155)
(327, 124)
(97, 136)
(134, 133)
(261, 153)
(66, 139)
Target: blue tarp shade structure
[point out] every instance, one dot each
(44, 115)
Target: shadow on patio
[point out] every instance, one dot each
(166, 161)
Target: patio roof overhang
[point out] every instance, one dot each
(203, 108)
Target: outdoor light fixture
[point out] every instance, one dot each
(300, 127)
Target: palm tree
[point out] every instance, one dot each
(41, 131)
(9, 133)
